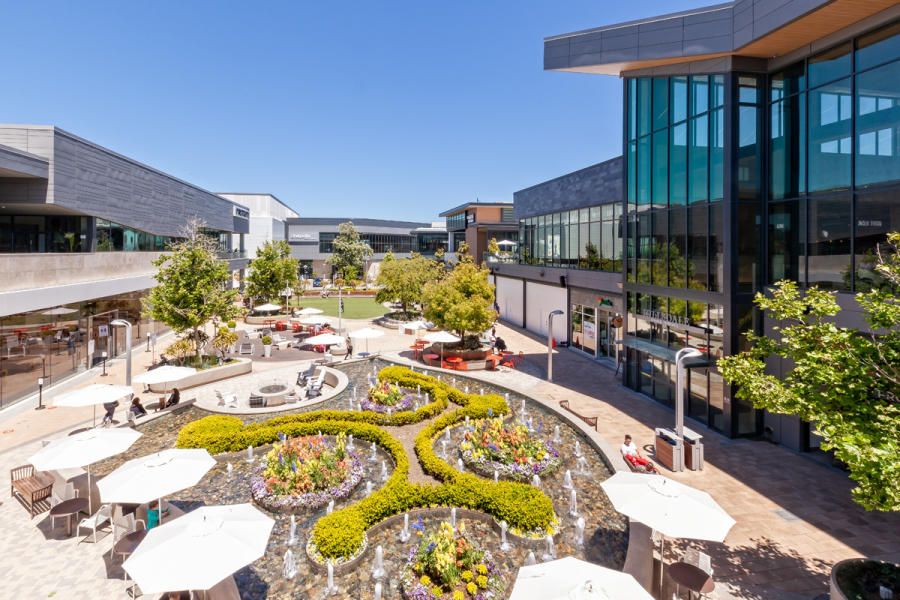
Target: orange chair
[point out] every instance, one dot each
(518, 360)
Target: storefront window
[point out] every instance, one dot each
(787, 147)
(785, 242)
(877, 214)
(830, 136)
(829, 243)
(698, 145)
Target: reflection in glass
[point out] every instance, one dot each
(716, 248)
(877, 214)
(698, 145)
(878, 125)
(699, 94)
(748, 245)
(660, 169)
(785, 242)
(787, 147)
(830, 136)
(717, 154)
(697, 274)
(677, 247)
(787, 82)
(829, 65)
(829, 243)
(678, 164)
(643, 106)
(660, 103)
(878, 47)
(679, 98)
(643, 173)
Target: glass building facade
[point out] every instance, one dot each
(585, 238)
(736, 180)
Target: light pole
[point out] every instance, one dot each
(550, 342)
(679, 393)
(127, 326)
(40, 405)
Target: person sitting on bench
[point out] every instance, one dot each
(174, 399)
(137, 409)
(632, 455)
(499, 344)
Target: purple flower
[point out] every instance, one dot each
(490, 412)
(281, 459)
(540, 426)
(493, 447)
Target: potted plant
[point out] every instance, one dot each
(861, 579)
(231, 325)
(267, 345)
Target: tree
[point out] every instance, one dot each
(224, 340)
(463, 300)
(493, 246)
(190, 286)
(349, 251)
(272, 270)
(845, 382)
(403, 280)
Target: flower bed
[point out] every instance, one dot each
(512, 452)
(306, 473)
(387, 397)
(447, 565)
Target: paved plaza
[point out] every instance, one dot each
(794, 516)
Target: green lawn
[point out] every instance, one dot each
(354, 308)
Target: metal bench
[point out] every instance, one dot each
(591, 421)
(31, 488)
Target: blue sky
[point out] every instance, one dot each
(396, 109)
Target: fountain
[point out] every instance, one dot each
(250, 453)
(368, 489)
(573, 504)
(330, 508)
(536, 480)
(330, 588)
(290, 565)
(354, 393)
(384, 473)
(467, 422)
(496, 475)
(454, 382)
(453, 517)
(419, 390)
(550, 551)
(427, 400)
(567, 480)
(405, 534)
(377, 591)
(529, 424)
(556, 438)
(292, 538)
(467, 390)
(579, 532)
(350, 442)
(378, 568)
(230, 470)
(530, 560)
(582, 466)
(447, 433)
(578, 449)
(443, 448)
(415, 405)
(459, 465)
(374, 456)
(505, 546)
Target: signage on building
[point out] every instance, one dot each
(604, 301)
(243, 213)
(304, 236)
(589, 331)
(102, 330)
(470, 218)
(663, 317)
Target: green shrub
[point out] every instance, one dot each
(266, 340)
(232, 324)
(340, 534)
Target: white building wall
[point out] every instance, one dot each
(540, 300)
(509, 299)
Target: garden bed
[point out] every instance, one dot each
(512, 452)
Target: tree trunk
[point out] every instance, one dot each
(197, 343)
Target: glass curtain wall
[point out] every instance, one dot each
(834, 140)
(40, 233)
(585, 238)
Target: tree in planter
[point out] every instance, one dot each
(272, 270)
(493, 246)
(845, 382)
(224, 340)
(349, 251)
(190, 286)
(403, 280)
(463, 300)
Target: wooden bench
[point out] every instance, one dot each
(591, 421)
(31, 488)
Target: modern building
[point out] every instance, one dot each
(569, 258)
(267, 219)
(311, 240)
(79, 228)
(761, 141)
(477, 223)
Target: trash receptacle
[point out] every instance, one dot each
(693, 450)
(669, 450)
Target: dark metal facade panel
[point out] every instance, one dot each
(597, 184)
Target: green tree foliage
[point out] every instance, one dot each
(493, 246)
(462, 300)
(845, 382)
(403, 280)
(272, 270)
(349, 251)
(224, 340)
(190, 286)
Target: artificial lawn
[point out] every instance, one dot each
(354, 308)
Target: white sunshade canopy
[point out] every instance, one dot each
(164, 374)
(671, 508)
(310, 311)
(267, 307)
(315, 320)
(440, 337)
(199, 549)
(506, 243)
(416, 325)
(60, 310)
(92, 395)
(326, 339)
(83, 448)
(155, 475)
(572, 579)
(366, 333)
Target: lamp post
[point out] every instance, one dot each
(679, 393)
(148, 342)
(550, 342)
(127, 326)
(40, 405)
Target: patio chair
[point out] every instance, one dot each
(279, 342)
(96, 521)
(303, 376)
(246, 349)
(257, 401)
(68, 493)
(699, 559)
(518, 359)
(124, 524)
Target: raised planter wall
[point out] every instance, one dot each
(260, 320)
(233, 369)
(466, 355)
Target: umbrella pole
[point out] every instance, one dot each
(662, 562)
(90, 495)
(159, 509)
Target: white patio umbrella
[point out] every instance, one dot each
(315, 320)
(572, 579)
(416, 325)
(325, 339)
(366, 333)
(266, 307)
(440, 337)
(310, 311)
(199, 549)
(156, 475)
(506, 243)
(92, 395)
(671, 508)
(83, 449)
(166, 374)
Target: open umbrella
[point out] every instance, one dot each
(310, 311)
(199, 549)
(671, 508)
(92, 395)
(506, 243)
(82, 449)
(325, 339)
(572, 579)
(366, 333)
(156, 475)
(315, 320)
(441, 337)
(266, 307)
(166, 374)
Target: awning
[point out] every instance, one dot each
(660, 351)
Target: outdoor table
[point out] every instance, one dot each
(363, 354)
(493, 358)
(693, 578)
(454, 361)
(129, 543)
(430, 357)
(415, 350)
(69, 509)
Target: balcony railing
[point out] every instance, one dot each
(500, 257)
(231, 254)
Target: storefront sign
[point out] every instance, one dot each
(304, 236)
(604, 301)
(658, 316)
(242, 213)
(102, 331)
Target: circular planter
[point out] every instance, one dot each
(486, 467)
(466, 355)
(836, 593)
(412, 589)
(296, 504)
